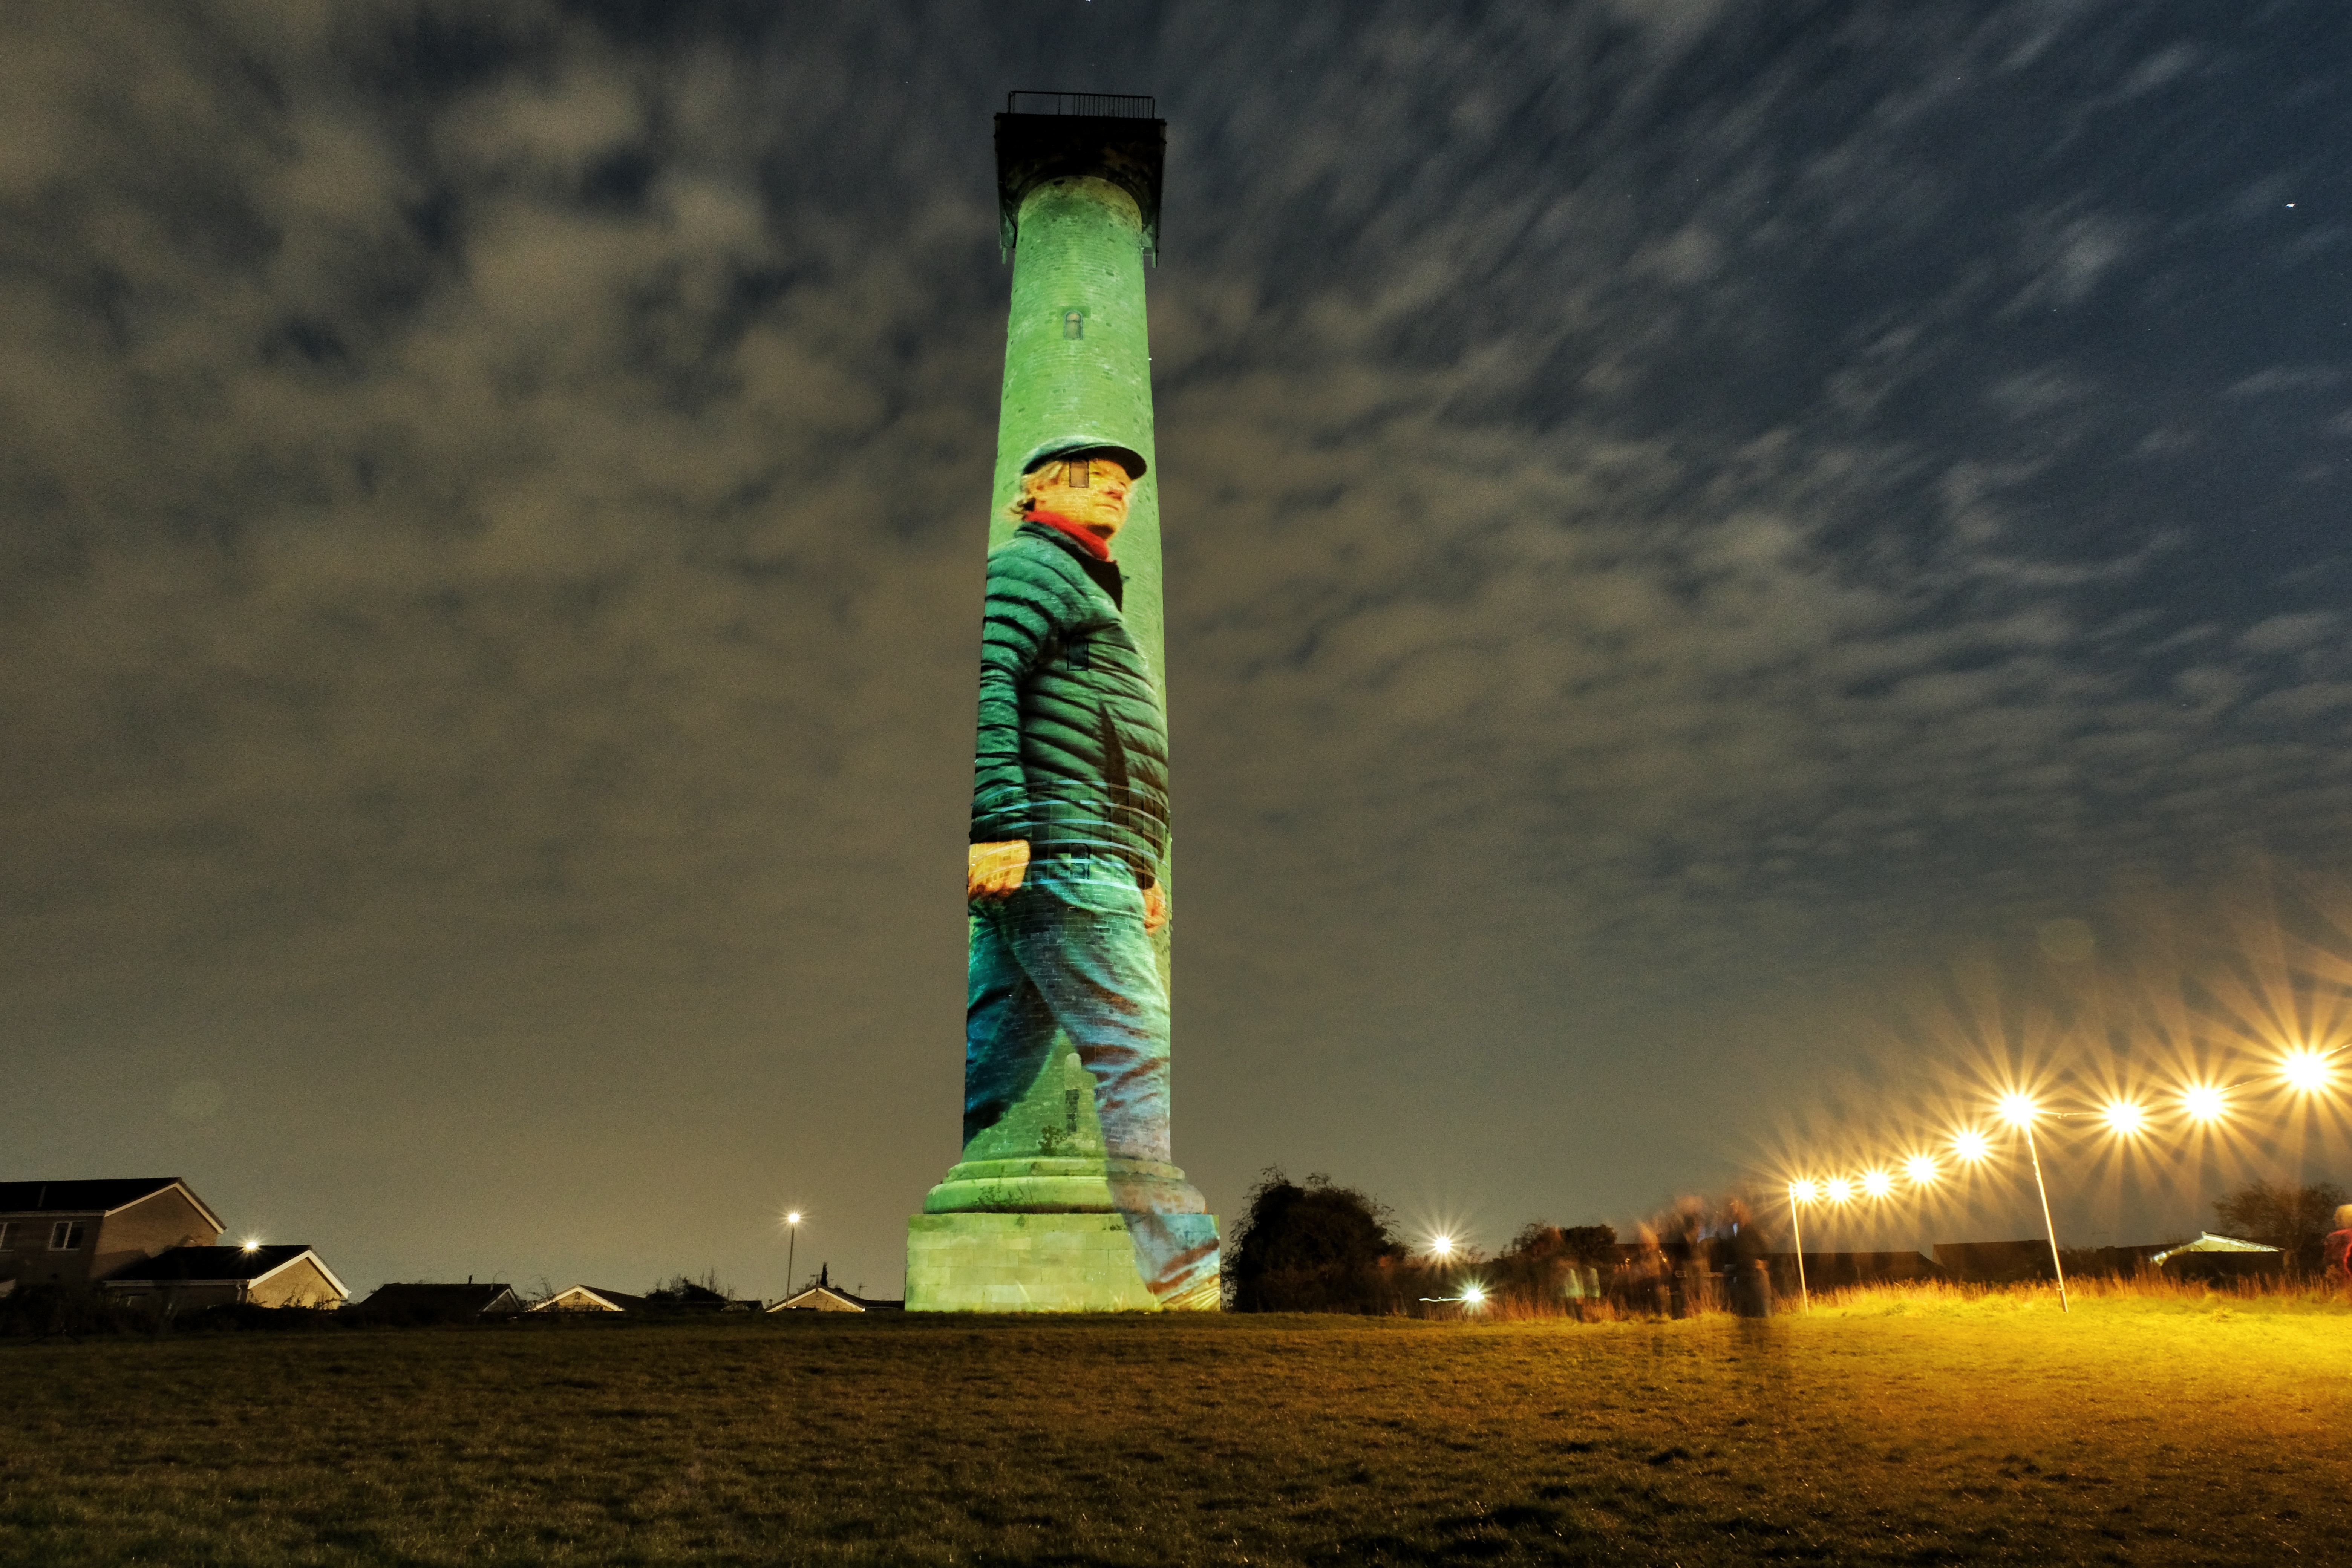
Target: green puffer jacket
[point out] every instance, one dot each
(1072, 750)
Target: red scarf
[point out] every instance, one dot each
(1092, 543)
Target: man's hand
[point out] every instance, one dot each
(995, 870)
(1155, 908)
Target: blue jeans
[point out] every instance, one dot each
(1067, 949)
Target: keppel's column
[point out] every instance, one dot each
(1042, 1213)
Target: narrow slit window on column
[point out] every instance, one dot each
(1073, 323)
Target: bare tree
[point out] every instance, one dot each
(2296, 1220)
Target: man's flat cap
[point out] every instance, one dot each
(1085, 446)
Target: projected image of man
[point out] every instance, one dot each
(1069, 818)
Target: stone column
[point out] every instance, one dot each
(1037, 1216)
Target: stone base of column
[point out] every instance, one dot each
(1087, 1184)
(973, 1262)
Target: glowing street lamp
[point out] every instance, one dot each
(1839, 1190)
(1971, 1146)
(2204, 1102)
(1474, 1297)
(1877, 1183)
(2306, 1071)
(1441, 1247)
(793, 1229)
(2019, 1111)
(1921, 1170)
(2125, 1118)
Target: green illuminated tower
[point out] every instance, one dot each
(1042, 1213)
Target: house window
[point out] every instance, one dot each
(65, 1236)
(1073, 323)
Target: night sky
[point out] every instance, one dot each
(1727, 566)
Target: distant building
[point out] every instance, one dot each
(826, 1296)
(1826, 1269)
(190, 1277)
(420, 1304)
(2207, 1242)
(1995, 1262)
(2217, 1259)
(80, 1233)
(590, 1298)
(2116, 1262)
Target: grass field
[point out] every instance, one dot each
(1904, 1428)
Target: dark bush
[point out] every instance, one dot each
(1312, 1248)
(74, 1312)
(245, 1316)
(65, 1311)
(2296, 1220)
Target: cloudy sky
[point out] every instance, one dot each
(1721, 558)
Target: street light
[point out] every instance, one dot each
(2125, 1118)
(2019, 1111)
(1877, 1183)
(2204, 1102)
(2307, 1070)
(1441, 1247)
(793, 1229)
(1971, 1146)
(1922, 1170)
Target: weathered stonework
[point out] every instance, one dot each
(1031, 1263)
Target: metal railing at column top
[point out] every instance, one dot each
(1103, 105)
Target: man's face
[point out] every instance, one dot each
(1090, 491)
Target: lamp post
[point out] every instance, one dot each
(2019, 1112)
(793, 1230)
(1805, 1190)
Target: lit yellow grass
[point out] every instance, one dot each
(1918, 1426)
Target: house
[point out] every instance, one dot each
(2213, 1258)
(424, 1303)
(188, 1277)
(826, 1296)
(1826, 1270)
(2207, 1242)
(1995, 1262)
(80, 1233)
(2116, 1262)
(590, 1298)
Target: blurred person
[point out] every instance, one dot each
(1749, 1269)
(2336, 1252)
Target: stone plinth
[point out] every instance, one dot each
(1035, 1263)
(1079, 1185)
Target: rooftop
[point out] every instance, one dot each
(186, 1263)
(101, 1195)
